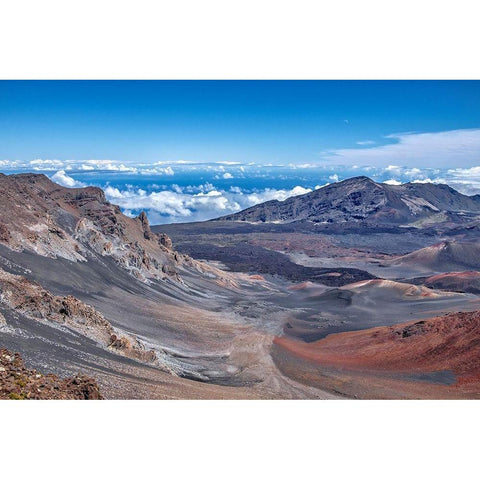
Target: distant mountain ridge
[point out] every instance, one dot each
(360, 199)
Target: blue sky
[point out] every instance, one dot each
(197, 149)
(264, 121)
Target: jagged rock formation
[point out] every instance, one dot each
(20, 383)
(21, 295)
(360, 199)
(41, 216)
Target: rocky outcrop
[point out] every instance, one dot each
(20, 383)
(165, 241)
(21, 295)
(76, 223)
(147, 233)
(5, 235)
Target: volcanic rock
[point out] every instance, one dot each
(21, 295)
(18, 382)
(73, 223)
(361, 200)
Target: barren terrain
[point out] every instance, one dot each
(358, 307)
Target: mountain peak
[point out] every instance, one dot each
(359, 179)
(29, 177)
(361, 199)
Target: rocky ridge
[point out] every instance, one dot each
(361, 200)
(75, 223)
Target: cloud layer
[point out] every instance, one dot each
(448, 149)
(190, 203)
(427, 150)
(187, 190)
(174, 203)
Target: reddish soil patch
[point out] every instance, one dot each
(257, 277)
(300, 286)
(455, 281)
(447, 343)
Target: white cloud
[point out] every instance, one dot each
(465, 180)
(440, 149)
(193, 203)
(333, 178)
(157, 171)
(83, 165)
(301, 165)
(296, 191)
(465, 172)
(366, 142)
(113, 167)
(175, 162)
(9, 164)
(227, 176)
(46, 165)
(392, 182)
(425, 180)
(63, 179)
(113, 193)
(177, 206)
(412, 172)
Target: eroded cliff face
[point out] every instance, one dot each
(78, 223)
